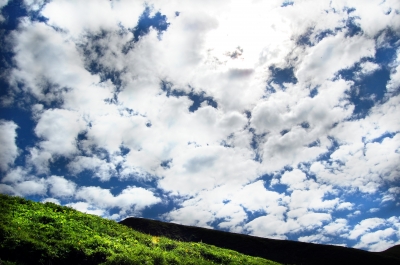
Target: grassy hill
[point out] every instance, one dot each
(283, 251)
(36, 233)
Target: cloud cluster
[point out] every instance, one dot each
(9, 149)
(131, 200)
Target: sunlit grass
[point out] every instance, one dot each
(36, 233)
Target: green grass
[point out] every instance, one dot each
(37, 233)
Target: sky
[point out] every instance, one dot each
(276, 118)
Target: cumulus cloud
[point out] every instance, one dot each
(131, 198)
(19, 182)
(9, 149)
(60, 187)
(2, 4)
(87, 208)
(332, 54)
(102, 169)
(53, 200)
(376, 234)
(59, 130)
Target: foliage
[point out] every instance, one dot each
(36, 233)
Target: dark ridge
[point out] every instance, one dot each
(393, 251)
(283, 251)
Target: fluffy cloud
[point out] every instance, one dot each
(60, 187)
(87, 208)
(9, 149)
(376, 234)
(19, 182)
(332, 54)
(2, 4)
(59, 129)
(131, 198)
(102, 169)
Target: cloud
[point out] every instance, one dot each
(87, 208)
(21, 183)
(3, 3)
(314, 239)
(339, 226)
(9, 149)
(30, 187)
(378, 240)
(332, 54)
(78, 17)
(103, 170)
(368, 68)
(204, 168)
(365, 225)
(60, 187)
(59, 129)
(130, 199)
(53, 200)
(376, 234)
(394, 82)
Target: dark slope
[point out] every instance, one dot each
(393, 251)
(283, 251)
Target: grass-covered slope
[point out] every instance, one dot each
(36, 233)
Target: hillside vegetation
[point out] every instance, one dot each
(37, 233)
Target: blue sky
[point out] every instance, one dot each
(278, 119)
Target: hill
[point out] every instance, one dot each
(35, 233)
(283, 251)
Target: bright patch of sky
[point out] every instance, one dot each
(274, 118)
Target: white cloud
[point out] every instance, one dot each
(40, 159)
(8, 146)
(103, 170)
(394, 82)
(295, 179)
(3, 3)
(272, 226)
(53, 200)
(345, 206)
(365, 226)
(34, 4)
(87, 208)
(312, 199)
(204, 168)
(368, 68)
(60, 68)
(79, 17)
(59, 129)
(314, 239)
(130, 199)
(377, 241)
(339, 226)
(15, 175)
(21, 183)
(60, 187)
(30, 187)
(287, 111)
(385, 15)
(332, 54)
